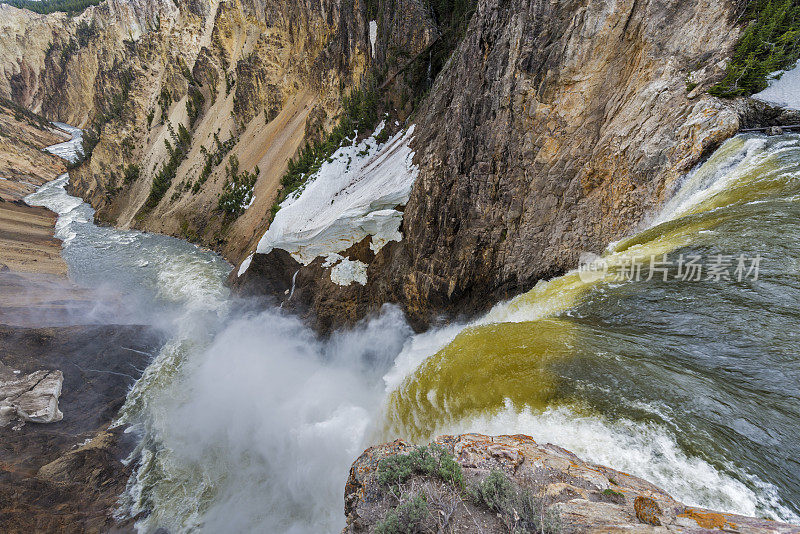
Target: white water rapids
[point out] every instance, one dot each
(249, 422)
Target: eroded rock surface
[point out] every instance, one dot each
(587, 497)
(30, 398)
(257, 74)
(554, 128)
(23, 165)
(66, 476)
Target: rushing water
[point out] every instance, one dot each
(69, 150)
(249, 422)
(691, 384)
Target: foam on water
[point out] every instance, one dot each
(256, 431)
(69, 150)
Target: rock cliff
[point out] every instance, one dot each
(554, 128)
(249, 80)
(511, 483)
(551, 129)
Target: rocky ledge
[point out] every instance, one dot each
(33, 397)
(61, 466)
(477, 483)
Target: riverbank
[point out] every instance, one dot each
(26, 240)
(63, 376)
(26, 233)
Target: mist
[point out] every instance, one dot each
(258, 430)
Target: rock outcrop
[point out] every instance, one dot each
(577, 495)
(66, 476)
(554, 128)
(31, 398)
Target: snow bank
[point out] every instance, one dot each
(351, 197)
(783, 92)
(245, 265)
(348, 271)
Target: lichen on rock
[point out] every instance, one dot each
(585, 497)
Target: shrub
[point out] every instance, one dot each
(522, 510)
(432, 460)
(163, 178)
(113, 108)
(230, 81)
(194, 104)
(383, 136)
(131, 173)
(408, 518)
(496, 492)
(86, 32)
(771, 42)
(23, 114)
(534, 515)
(187, 73)
(238, 189)
(164, 101)
(91, 136)
(212, 160)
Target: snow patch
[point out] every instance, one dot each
(784, 91)
(351, 197)
(383, 226)
(332, 259)
(245, 265)
(373, 35)
(348, 271)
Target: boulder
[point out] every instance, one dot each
(31, 398)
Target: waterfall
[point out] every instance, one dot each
(249, 422)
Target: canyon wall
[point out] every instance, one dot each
(252, 80)
(554, 128)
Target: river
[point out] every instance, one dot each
(248, 422)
